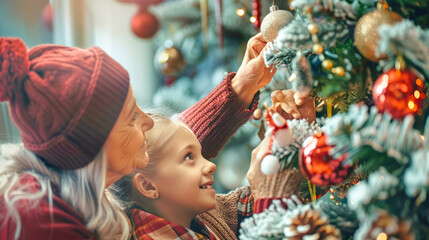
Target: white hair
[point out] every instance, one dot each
(83, 189)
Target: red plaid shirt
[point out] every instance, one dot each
(151, 227)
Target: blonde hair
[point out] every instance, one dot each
(158, 138)
(83, 189)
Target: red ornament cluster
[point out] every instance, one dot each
(399, 93)
(317, 164)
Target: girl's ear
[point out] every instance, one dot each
(145, 186)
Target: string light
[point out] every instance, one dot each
(252, 19)
(240, 12)
(382, 236)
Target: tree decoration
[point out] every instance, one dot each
(144, 24)
(279, 133)
(295, 222)
(361, 127)
(301, 130)
(257, 114)
(273, 22)
(406, 39)
(309, 223)
(256, 11)
(384, 226)
(317, 164)
(399, 92)
(47, 16)
(218, 10)
(270, 164)
(170, 61)
(416, 177)
(366, 35)
(204, 8)
(302, 79)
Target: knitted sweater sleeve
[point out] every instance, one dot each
(231, 209)
(217, 117)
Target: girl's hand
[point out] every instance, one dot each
(291, 105)
(252, 74)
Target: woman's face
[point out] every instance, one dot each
(125, 148)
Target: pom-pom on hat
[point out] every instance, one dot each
(64, 101)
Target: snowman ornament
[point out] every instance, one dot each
(279, 134)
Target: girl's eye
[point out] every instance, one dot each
(189, 156)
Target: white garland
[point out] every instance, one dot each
(407, 39)
(379, 186)
(358, 128)
(416, 177)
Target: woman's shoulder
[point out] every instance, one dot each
(46, 217)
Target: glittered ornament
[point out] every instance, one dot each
(144, 25)
(399, 93)
(170, 61)
(270, 164)
(318, 165)
(366, 35)
(273, 22)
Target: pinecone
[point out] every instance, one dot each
(390, 227)
(309, 223)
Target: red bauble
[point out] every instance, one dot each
(144, 25)
(317, 164)
(399, 93)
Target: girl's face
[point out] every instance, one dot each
(125, 148)
(184, 178)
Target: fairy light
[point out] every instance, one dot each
(411, 105)
(417, 94)
(382, 236)
(252, 19)
(163, 57)
(240, 12)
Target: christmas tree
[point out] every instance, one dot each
(366, 62)
(198, 43)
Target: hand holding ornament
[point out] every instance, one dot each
(290, 105)
(280, 184)
(252, 74)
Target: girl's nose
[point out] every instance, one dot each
(209, 167)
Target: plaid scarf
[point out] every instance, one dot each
(151, 227)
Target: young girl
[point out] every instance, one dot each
(173, 197)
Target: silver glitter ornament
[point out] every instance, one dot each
(273, 22)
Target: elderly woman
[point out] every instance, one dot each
(82, 130)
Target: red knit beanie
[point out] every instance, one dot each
(63, 100)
